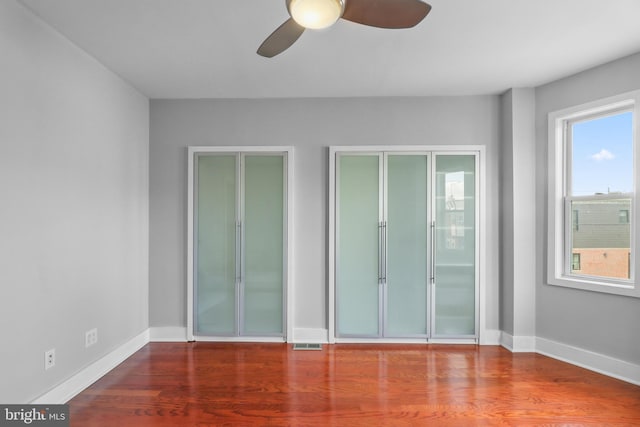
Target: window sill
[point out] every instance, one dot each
(628, 289)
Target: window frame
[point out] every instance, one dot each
(560, 215)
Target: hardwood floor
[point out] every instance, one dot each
(216, 384)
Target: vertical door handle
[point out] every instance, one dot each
(433, 252)
(384, 251)
(380, 252)
(238, 252)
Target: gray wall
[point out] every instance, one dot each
(517, 180)
(311, 125)
(602, 323)
(73, 207)
(506, 214)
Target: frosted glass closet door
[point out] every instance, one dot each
(263, 245)
(216, 217)
(407, 245)
(455, 279)
(357, 272)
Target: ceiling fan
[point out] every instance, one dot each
(317, 14)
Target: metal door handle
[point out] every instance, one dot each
(384, 251)
(380, 252)
(433, 252)
(238, 252)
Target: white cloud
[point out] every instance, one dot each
(603, 155)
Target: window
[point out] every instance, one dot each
(575, 262)
(623, 216)
(592, 196)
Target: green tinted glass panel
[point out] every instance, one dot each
(263, 244)
(215, 244)
(455, 245)
(407, 254)
(357, 284)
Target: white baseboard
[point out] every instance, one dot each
(310, 335)
(242, 339)
(596, 362)
(518, 344)
(83, 379)
(506, 340)
(168, 334)
(490, 337)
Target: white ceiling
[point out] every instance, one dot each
(206, 48)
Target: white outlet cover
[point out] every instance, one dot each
(50, 358)
(91, 337)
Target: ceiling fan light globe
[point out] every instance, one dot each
(316, 14)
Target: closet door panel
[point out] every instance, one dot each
(216, 244)
(358, 268)
(407, 245)
(455, 278)
(263, 235)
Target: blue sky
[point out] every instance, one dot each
(603, 155)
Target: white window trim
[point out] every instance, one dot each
(557, 183)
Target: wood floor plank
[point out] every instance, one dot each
(236, 384)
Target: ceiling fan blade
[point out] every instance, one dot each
(281, 39)
(386, 13)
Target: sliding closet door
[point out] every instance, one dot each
(240, 244)
(455, 254)
(405, 244)
(358, 274)
(263, 245)
(383, 245)
(215, 246)
(407, 248)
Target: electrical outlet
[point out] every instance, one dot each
(91, 337)
(50, 358)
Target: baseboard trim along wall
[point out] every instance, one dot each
(490, 337)
(518, 344)
(596, 362)
(310, 335)
(590, 360)
(168, 334)
(83, 379)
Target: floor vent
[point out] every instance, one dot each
(306, 346)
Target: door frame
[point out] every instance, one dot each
(479, 151)
(192, 152)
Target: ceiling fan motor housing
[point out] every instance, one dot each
(315, 14)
